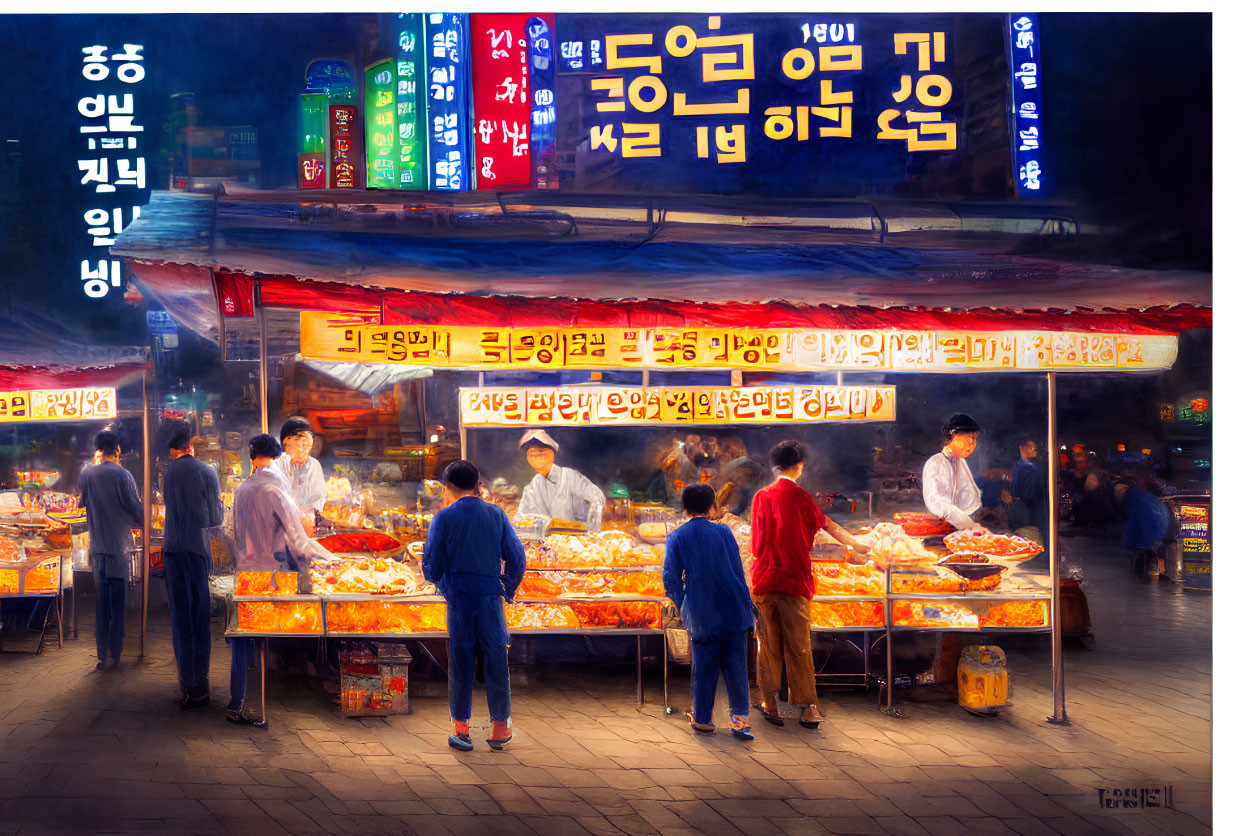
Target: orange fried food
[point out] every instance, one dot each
(540, 617)
(295, 617)
(8, 581)
(632, 615)
(385, 617)
(254, 583)
(43, 578)
(933, 614)
(986, 542)
(847, 614)
(847, 579)
(1016, 614)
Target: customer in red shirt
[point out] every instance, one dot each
(785, 520)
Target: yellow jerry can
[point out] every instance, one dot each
(983, 679)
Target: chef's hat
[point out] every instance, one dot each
(532, 438)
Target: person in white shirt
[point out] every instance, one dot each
(949, 490)
(303, 471)
(557, 492)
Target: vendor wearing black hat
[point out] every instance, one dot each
(949, 490)
(303, 471)
(557, 492)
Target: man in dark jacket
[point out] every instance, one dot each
(1030, 508)
(109, 494)
(475, 559)
(193, 504)
(703, 575)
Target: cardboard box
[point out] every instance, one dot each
(374, 679)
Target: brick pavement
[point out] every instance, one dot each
(82, 750)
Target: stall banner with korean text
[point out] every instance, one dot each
(543, 66)
(87, 404)
(348, 338)
(113, 167)
(502, 100)
(448, 118)
(626, 405)
(1026, 101)
(819, 103)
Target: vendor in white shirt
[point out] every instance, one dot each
(303, 471)
(557, 492)
(949, 490)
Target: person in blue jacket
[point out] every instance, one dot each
(1146, 527)
(475, 559)
(703, 575)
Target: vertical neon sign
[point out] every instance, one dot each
(116, 170)
(313, 150)
(1026, 99)
(381, 128)
(543, 103)
(411, 109)
(447, 118)
(345, 154)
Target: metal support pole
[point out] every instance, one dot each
(1059, 683)
(639, 670)
(265, 645)
(147, 558)
(264, 385)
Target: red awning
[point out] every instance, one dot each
(23, 378)
(396, 306)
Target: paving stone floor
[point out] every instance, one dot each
(88, 751)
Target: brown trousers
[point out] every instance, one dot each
(784, 644)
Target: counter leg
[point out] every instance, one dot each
(639, 670)
(60, 630)
(666, 671)
(866, 660)
(73, 612)
(261, 663)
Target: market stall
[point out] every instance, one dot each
(852, 314)
(43, 530)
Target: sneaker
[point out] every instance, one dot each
(699, 728)
(810, 717)
(460, 738)
(740, 728)
(501, 734)
(194, 699)
(239, 717)
(117, 665)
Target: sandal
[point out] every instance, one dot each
(740, 728)
(810, 717)
(772, 717)
(699, 728)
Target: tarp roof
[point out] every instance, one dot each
(194, 252)
(35, 355)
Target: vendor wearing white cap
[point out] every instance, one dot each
(557, 492)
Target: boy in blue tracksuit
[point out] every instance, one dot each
(703, 575)
(475, 559)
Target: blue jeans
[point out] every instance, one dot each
(187, 584)
(477, 623)
(110, 611)
(726, 652)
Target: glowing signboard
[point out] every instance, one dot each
(1025, 68)
(447, 117)
(502, 101)
(347, 338)
(543, 102)
(87, 404)
(411, 108)
(636, 406)
(382, 146)
(114, 169)
(312, 161)
(345, 155)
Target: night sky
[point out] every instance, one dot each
(1128, 131)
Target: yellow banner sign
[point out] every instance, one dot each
(573, 406)
(59, 405)
(345, 338)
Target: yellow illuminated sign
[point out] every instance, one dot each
(576, 406)
(58, 405)
(346, 338)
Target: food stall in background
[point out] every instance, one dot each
(43, 535)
